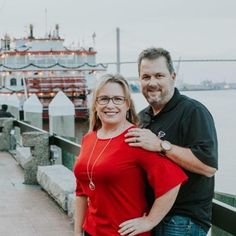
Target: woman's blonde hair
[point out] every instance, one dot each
(95, 122)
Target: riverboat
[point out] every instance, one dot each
(44, 66)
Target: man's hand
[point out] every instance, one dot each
(143, 138)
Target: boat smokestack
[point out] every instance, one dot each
(57, 31)
(31, 36)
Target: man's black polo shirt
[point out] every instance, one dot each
(187, 123)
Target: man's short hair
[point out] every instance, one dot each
(154, 53)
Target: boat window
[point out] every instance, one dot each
(13, 82)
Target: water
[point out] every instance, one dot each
(221, 104)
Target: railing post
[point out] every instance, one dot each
(6, 125)
(39, 145)
(62, 123)
(33, 111)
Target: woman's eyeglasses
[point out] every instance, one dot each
(104, 100)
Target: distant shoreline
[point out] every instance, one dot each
(205, 89)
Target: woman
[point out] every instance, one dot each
(111, 175)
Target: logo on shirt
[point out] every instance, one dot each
(161, 134)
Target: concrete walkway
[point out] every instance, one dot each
(26, 210)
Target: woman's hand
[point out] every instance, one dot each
(136, 226)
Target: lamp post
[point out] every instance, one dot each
(118, 49)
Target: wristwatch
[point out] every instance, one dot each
(165, 146)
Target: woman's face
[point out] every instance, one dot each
(111, 111)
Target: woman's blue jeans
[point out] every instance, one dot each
(179, 226)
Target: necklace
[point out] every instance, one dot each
(90, 173)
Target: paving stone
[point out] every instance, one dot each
(27, 210)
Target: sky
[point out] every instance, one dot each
(189, 29)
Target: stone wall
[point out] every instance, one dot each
(6, 125)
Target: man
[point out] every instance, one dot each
(4, 112)
(183, 130)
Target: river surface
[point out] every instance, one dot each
(222, 105)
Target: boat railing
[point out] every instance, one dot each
(223, 215)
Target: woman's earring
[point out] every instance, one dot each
(128, 114)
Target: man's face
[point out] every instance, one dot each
(157, 83)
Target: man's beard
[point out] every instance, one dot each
(158, 101)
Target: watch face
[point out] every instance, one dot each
(166, 145)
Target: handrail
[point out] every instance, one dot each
(223, 215)
(54, 139)
(26, 127)
(65, 144)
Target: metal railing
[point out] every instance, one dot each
(223, 215)
(54, 139)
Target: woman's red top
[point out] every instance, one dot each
(120, 176)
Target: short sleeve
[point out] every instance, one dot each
(200, 135)
(162, 173)
(78, 190)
